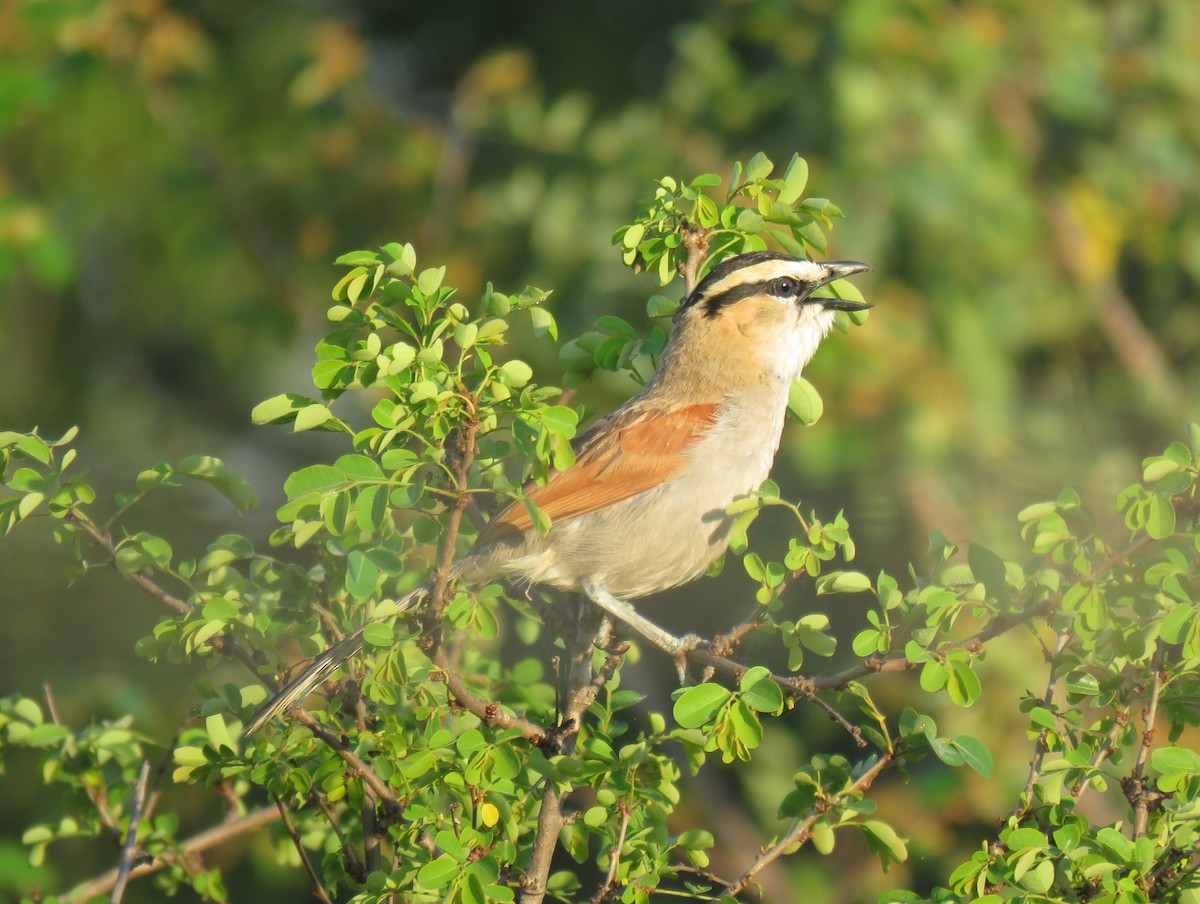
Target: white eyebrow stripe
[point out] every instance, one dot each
(804, 271)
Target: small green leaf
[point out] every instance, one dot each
(804, 402)
(311, 416)
(1160, 517)
(760, 692)
(379, 634)
(844, 582)
(362, 575)
(515, 373)
(962, 683)
(882, 839)
(543, 322)
(313, 479)
(661, 306)
(697, 705)
(758, 167)
(441, 871)
(429, 281)
(794, 180)
(974, 754)
(223, 479)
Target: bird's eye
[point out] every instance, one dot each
(785, 286)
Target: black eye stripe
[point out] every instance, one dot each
(714, 303)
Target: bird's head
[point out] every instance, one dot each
(760, 307)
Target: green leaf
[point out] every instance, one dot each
(974, 754)
(794, 181)
(759, 167)
(311, 416)
(218, 732)
(697, 705)
(1175, 759)
(359, 467)
(515, 373)
(882, 839)
(760, 692)
(560, 420)
(962, 683)
(362, 575)
(844, 582)
(661, 306)
(439, 872)
(313, 479)
(804, 402)
(223, 479)
(543, 322)
(279, 408)
(989, 568)
(633, 236)
(1160, 517)
(429, 281)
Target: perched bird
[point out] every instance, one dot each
(643, 507)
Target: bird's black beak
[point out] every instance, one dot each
(838, 270)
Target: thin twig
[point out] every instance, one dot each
(97, 795)
(105, 541)
(362, 768)
(318, 888)
(1040, 747)
(1138, 795)
(209, 838)
(489, 712)
(802, 830)
(614, 857)
(130, 846)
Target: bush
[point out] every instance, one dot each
(484, 750)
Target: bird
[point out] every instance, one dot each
(643, 507)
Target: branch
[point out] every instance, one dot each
(98, 796)
(488, 711)
(105, 541)
(802, 831)
(362, 768)
(135, 817)
(1039, 748)
(1136, 790)
(696, 241)
(209, 838)
(318, 888)
(614, 857)
(581, 693)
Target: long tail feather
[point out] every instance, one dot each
(321, 667)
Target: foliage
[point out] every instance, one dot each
(484, 732)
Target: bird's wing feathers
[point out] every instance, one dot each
(612, 465)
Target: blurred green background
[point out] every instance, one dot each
(176, 179)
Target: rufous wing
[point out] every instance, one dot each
(634, 454)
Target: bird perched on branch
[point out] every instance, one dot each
(643, 507)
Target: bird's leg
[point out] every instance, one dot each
(676, 647)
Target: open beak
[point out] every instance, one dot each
(839, 270)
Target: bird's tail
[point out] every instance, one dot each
(322, 666)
